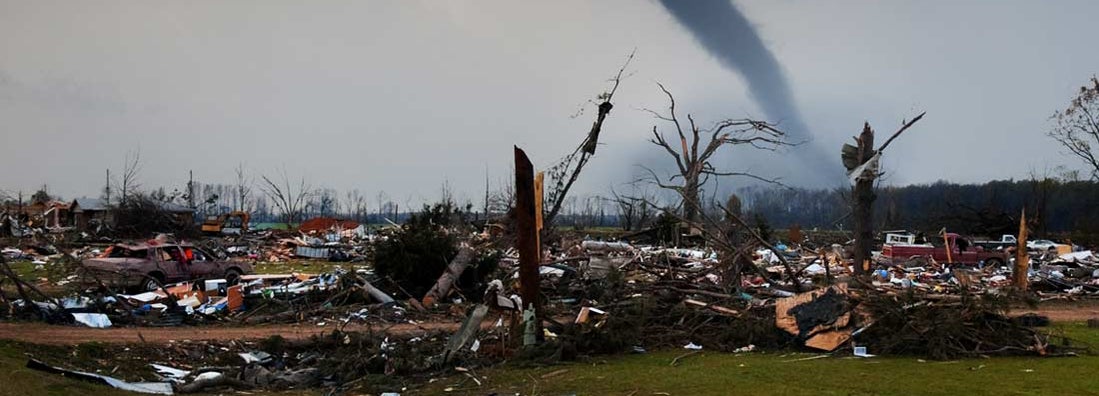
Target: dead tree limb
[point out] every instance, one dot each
(565, 173)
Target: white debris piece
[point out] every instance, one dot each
(96, 320)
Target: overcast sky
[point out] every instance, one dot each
(398, 96)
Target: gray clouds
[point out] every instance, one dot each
(399, 96)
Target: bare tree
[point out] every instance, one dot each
(502, 200)
(447, 193)
(327, 202)
(634, 211)
(1077, 127)
(289, 198)
(383, 198)
(697, 146)
(127, 182)
(244, 188)
(356, 206)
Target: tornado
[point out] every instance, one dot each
(726, 34)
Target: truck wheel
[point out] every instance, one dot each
(232, 276)
(152, 282)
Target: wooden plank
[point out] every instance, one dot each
(829, 340)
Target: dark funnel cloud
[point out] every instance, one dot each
(727, 34)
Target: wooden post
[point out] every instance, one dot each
(948, 247)
(864, 200)
(527, 237)
(1022, 259)
(538, 191)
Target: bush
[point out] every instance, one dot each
(417, 254)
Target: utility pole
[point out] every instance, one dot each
(108, 189)
(191, 189)
(485, 211)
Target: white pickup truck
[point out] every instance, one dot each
(1006, 240)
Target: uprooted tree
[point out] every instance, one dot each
(415, 255)
(697, 146)
(1077, 127)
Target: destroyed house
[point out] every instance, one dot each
(86, 212)
(40, 214)
(182, 214)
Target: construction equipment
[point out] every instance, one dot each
(232, 223)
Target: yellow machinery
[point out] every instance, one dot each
(233, 223)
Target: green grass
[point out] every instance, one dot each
(711, 373)
(17, 379)
(304, 266)
(707, 373)
(27, 270)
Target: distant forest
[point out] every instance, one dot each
(1053, 206)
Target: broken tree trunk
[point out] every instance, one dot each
(377, 294)
(864, 201)
(450, 276)
(861, 162)
(527, 237)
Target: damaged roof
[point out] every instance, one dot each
(88, 204)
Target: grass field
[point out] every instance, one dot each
(705, 373)
(779, 374)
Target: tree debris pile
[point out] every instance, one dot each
(359, 361)
(949, 328)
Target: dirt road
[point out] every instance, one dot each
(1064, 313)
(42, 333)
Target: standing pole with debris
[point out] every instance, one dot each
(527, 238)
(862, 163)
(864, 197)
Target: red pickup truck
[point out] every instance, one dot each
(900, 252)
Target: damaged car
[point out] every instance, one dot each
(147, 266)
